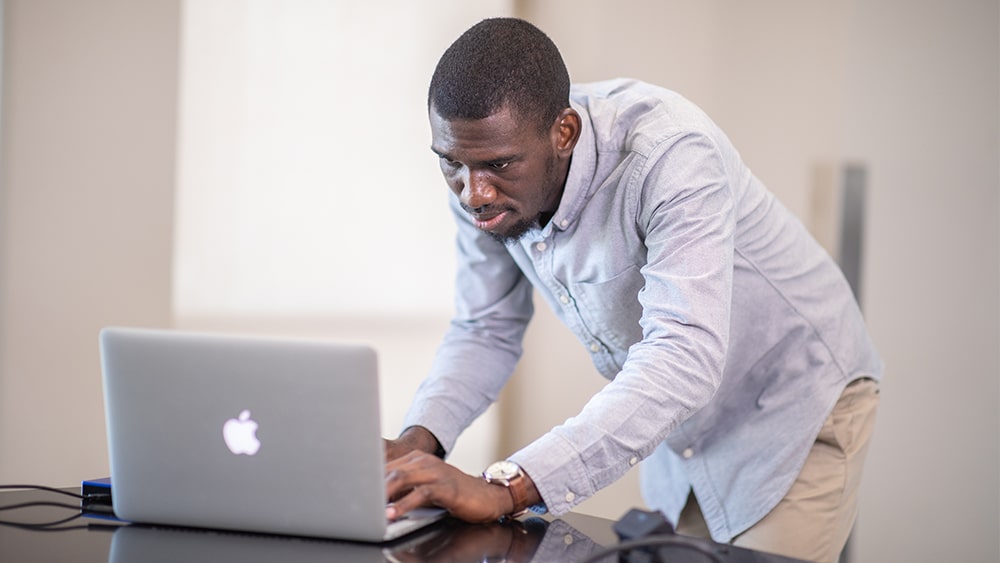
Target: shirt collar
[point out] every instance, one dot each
(580, 177)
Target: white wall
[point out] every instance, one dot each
(308, 201)
(305, 181)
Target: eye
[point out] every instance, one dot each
(500, 165)
(449, 162)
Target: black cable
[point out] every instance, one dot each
(46, 528)
(43, 528)
(40, 525)
(39, 503)
(43, 488)
(654, 541)
(91, 496)
(55, 527)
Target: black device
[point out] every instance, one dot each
(641, 523)
(648, 537)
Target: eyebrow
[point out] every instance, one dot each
(440, 153)
(498, 160)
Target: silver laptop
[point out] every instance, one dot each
(246, 433)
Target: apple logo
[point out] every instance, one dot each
(241, 434)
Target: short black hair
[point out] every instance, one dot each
(501, 62)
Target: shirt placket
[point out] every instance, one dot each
(542, 252)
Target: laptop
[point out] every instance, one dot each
(250, 434)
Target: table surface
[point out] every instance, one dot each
(45, 526)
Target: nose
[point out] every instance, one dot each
(477, 192)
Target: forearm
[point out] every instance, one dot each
(468, 372)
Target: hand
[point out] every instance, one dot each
(420, 479)
(414, 438)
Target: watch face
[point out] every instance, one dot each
(503, 470)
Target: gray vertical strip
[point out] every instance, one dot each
(3, 221)
(852, 232)
(3, 198)
(852, 225)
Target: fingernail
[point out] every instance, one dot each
(390, 512)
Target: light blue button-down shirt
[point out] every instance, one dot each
(728, 332)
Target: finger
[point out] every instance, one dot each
(419, 479)
(416, 497)
(411, 470)
(415, 465)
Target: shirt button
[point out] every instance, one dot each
(688, 452)
(633, 460)
(564, 299)
(568, 539)
(563, 223)
(570, 496)
(541, 247)
(595, 347)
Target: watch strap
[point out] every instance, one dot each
(518, 487)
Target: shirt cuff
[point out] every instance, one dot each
(437, 423)
(557, 472)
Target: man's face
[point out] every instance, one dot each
(505, 172)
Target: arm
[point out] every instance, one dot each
(475, 359)
(684, 219)
(483, 343)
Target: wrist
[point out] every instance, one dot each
(420, 438)
(520, 489)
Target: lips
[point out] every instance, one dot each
(488, 221)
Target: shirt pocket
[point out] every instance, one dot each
(610, 308)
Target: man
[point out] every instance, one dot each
(742, 373)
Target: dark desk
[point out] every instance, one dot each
(42, 526)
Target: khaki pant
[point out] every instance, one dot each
(814, 519)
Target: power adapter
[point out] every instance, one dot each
(97, 496)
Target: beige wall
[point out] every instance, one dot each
(89, 118)
(921, 106)
(910, 90)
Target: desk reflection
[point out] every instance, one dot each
(532, 539)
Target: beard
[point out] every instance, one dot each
(516, 231)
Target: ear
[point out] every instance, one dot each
(566, 132)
